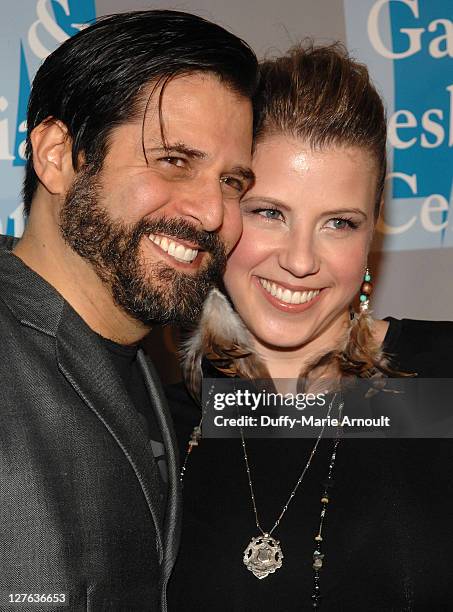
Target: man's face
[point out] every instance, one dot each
(159, 219)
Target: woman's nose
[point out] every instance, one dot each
(299, 255)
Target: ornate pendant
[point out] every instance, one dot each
(263, 556)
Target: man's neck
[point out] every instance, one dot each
(47, 254)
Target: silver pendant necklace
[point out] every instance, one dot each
(263, 555)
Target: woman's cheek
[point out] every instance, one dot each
(251, 249)
(351, 265)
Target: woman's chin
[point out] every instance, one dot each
(279, 340)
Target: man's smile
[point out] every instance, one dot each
(174, 248)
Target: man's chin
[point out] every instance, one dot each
(175, 300)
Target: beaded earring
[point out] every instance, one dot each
(365, 291)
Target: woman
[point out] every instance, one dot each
(298, 268)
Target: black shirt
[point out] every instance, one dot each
(125, 360)
(388, 537)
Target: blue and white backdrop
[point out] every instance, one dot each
(30, 30)
(408, 45)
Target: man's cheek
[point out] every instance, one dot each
(232, 229)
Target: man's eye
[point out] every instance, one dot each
(269, 213)
(234, 183)
(179, 162)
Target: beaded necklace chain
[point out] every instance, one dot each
(318, 556)
(195, 437)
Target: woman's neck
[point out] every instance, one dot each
(289, 363)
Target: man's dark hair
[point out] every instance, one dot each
(95, 81)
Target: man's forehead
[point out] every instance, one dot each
(186, 96)
(197, 115)
(196, 135)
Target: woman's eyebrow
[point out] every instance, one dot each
(266, 200)
(342, 211)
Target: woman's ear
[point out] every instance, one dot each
(52, 155)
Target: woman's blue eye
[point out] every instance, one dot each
(269, 213)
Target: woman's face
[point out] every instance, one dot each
(308, 223)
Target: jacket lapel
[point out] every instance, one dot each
(162, 412)
(85, 364)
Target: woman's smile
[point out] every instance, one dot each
(286, 299)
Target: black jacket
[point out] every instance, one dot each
(81, 507)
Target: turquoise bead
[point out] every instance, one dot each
(363, 298)
(367, 277)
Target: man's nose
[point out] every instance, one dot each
(203, 205)
(298, 255)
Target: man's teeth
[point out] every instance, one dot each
(285, 295)
(175, 249)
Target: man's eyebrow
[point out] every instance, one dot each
(178, 147)
(182, 149)
(246, 173)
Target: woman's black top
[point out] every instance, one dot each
(388, 536)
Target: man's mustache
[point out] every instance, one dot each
(183, 230)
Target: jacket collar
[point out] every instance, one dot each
(31, 299)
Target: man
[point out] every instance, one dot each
(139, 144)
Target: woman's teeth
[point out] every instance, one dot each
(286, 295)
(175, 249)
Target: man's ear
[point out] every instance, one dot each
(52, 155)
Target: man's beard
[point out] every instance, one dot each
(153, 293)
